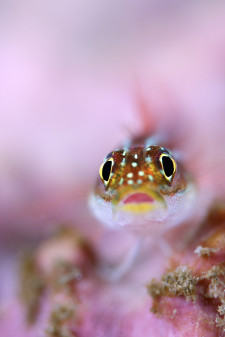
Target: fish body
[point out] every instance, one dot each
(144, 187)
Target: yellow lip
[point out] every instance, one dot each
(140, 207)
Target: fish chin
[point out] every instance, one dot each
(131, 215)
(143, 217)
(137, 214)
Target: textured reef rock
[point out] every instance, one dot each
(63, 295)
(191, 295)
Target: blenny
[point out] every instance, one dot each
(143, 186)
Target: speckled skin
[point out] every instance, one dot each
(137, 168)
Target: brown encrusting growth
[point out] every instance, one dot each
(60, 318)
(205, 251)
(201, 280)
(32, 286)
(180, 282)
(216, 291)
(220, 319)
(57, 266)
(63, 281)
(64, 275)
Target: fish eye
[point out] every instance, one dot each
(105, 170)
(168, 165)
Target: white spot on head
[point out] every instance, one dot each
(162, 148)
(121, 181)
(130, 182)
(150, 177)
(139, 181)
(136, 156)
(148, 148)
(130, 175)
(141, 173)
(134, 164)
(123, 163)
(124, 153)
(148, 159)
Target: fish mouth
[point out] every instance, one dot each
(138, 198)
(141, 202)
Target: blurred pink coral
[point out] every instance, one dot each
(63, 295)
(67, 98)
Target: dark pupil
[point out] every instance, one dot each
(167, 166)
(106, 170)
